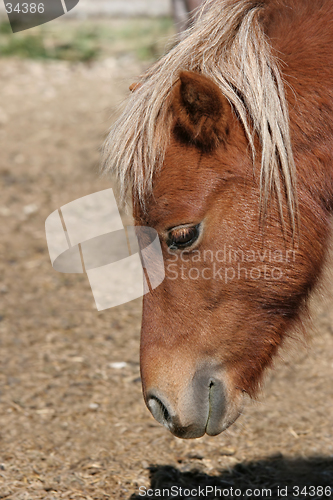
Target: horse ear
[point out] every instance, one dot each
(201, 112)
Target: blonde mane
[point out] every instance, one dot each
(227, 44)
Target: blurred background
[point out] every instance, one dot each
(72, 419)
(94, 31)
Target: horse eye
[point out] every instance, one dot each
(182, 237)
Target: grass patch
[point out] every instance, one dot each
(41, 44)
(79, 41)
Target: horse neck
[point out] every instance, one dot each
(303, 40)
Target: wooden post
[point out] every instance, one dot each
(183, 12)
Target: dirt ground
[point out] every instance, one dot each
(72, 425)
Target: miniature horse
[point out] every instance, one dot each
(226, 145)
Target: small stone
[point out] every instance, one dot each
(93, 406)
(119, 365)
(195, 456)
(228, 452)
(30, 209)
(77, 359)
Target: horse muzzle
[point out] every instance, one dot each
(202, 406)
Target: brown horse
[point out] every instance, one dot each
(227, 146)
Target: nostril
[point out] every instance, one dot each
(217, 406)
(210, 394)
(159, 411)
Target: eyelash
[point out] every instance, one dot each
(176, 246)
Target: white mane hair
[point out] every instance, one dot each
(228, 45)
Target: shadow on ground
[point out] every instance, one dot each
(279, 477)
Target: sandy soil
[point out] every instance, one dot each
(71, 425)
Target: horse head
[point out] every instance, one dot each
(230, 292)
(206, 148)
